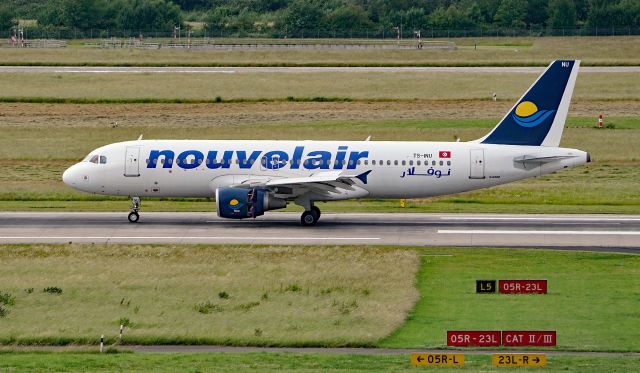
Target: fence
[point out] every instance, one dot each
(382, 34)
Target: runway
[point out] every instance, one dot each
(619, 233)
(311, 69)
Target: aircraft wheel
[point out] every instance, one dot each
(316, 210)
(309, 218)
(133, 217)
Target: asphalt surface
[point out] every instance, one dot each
(233, 70)
(616, 233)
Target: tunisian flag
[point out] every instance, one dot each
(444, 154)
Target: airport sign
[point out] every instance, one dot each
(529, 338)
(441, 360)
(473, 338)
(485, 286)
(522, 286)
(519, 360)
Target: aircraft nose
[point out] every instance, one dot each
(69, 176)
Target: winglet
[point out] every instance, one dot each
(363, 176)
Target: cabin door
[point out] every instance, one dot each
(132, 162)
(477, 164)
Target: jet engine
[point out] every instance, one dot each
(240, 203)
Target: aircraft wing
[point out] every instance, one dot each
(329, 184)
(322, 177)
(337, 184)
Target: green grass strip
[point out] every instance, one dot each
(278, 362)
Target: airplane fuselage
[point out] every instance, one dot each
(195, 168)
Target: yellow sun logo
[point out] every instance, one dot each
(233, 202)
(526, 108)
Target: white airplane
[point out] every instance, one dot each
(251, 177)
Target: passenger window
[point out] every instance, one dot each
(395, 163)
(366, 162)
(404, 163)
(448, 163)
(373, 162)
(388, 163)
(418, 162)
(441, 163)
(411, 163)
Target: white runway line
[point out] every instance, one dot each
(540, 218)
(185, 238)
(144, 71)
(585, 233)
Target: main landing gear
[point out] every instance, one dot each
(135, 207)
(311, 217)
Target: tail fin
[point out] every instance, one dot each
(538, 117)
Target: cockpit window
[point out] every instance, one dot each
(103, 159)
(94, 159)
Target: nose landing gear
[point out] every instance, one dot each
(135, 207)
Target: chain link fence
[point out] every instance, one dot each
(373, 34)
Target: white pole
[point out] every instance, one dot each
(101, 343)
(121, 327)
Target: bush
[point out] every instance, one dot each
(124, 321)
(293, 288)
(223, 295)
(7, 299)
(207, 307)
(52, 290)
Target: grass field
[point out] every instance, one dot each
(322, 296)
(33, 163)
(592, 303)
(491, 51)
(258, 86)
(278, 362)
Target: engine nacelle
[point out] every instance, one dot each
(240, 203)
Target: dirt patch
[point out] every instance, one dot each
(207, 115)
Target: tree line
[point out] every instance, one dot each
(291, 17)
